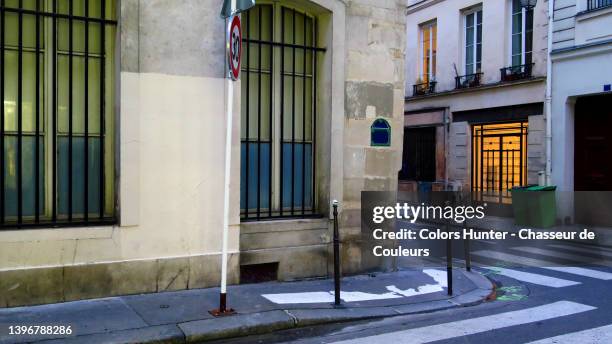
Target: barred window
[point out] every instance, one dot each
(278, 126)
(57, 117)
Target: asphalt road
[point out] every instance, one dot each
(567, 304)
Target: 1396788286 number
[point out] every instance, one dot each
(22, 330)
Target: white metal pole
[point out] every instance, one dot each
(548, 100)
(226, 180)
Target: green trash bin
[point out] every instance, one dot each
(535, 206)
(520, 206)
(543, 206)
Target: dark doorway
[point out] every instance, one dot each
(419, 157)
(593, 144)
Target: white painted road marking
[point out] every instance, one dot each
(594, 250)
(606, 276)
(438, 275)
(597, 335)
(424, 289)
(533, 278)
(476, 325)
(544, 264)
(511, 258)
(557, 254)
(528, 277)
(308, 297)
(356, 296)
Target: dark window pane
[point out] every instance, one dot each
(296, 177)
(28, 175)
(78, 176)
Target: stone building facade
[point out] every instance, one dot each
(581, 98)
(582, 43)
(475, 88)
(158, 226)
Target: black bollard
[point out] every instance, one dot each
(449, 265)
(336, 256)
(449, 258)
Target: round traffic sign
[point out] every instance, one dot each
(234, 50)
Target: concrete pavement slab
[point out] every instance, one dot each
(309, 317)
(166, 334)
(183, 315)
(84, 317)
(423, 307)
(235, 326)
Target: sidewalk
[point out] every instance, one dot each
(179, 317)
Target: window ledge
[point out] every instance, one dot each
(288, 225)
(479, 88)
(589, 14)
(57, 234)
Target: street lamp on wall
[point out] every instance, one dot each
(528, 4)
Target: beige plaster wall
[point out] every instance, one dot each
(172, 153)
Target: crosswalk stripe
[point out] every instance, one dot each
(606, 276)
(557, 254)
(476, 325)
(511, 258)
(544, 264)
(587, 246)
(533, 278)
(528, 277)
(593, 336)
(593, 250)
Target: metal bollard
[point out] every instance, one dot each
(449, 265)
(468, 258)
(449, 260)
(336, 255)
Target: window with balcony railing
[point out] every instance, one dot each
(597, 4)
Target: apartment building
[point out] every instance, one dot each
(475, 89)
(582, 75)
(581, 108)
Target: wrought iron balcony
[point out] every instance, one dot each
(424, 88)
(468, 80)
(597, 4)
(516, 72)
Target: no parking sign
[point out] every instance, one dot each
(234, 46)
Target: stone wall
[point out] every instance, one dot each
(458, 155)
(536, 148)
(374, 88)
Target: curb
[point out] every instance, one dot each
(198, 331)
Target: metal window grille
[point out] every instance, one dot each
(596, 4)
(499, 160)
(278, 131)
(56, 83)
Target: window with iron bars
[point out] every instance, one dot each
(278, 126)
(57, 117)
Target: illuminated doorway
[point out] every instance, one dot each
(499, 160)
